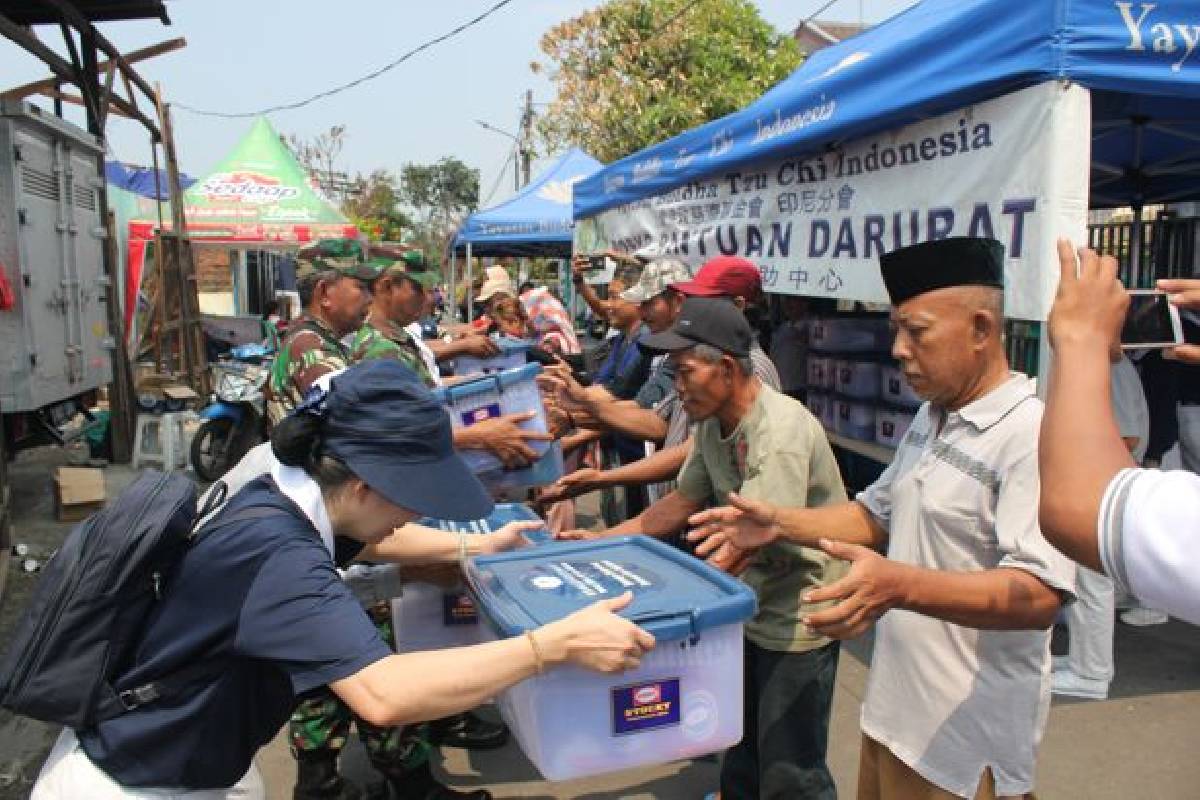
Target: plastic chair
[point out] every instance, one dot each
(160, 441)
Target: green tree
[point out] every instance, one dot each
(374, 207)
(440, 195)
(630, 73)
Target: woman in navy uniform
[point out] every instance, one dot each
(261, 600)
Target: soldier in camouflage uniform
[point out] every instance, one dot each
(398, 302)
(334, 283)
(320, 723)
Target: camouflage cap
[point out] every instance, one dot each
(415, 259)
(426, 279)
(656, 278)
(341, 255)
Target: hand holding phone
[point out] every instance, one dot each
(1151, 321)
(600, 263)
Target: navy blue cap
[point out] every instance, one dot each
(382, 423)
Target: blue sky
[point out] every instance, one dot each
(250, 54)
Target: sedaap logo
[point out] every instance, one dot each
(248, 187)
(647, 695)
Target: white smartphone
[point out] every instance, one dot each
(1151, 321)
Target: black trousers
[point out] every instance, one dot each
(788, 697)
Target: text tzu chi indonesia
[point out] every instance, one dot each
(850, 236)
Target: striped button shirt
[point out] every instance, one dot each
(961, 495)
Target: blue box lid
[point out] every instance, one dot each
(503, 514)
(487, 383)
(508, 345)
(676, 596)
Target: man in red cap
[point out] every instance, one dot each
(725, 276)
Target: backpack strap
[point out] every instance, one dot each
(114, 703)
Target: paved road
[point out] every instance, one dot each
(1140, 744)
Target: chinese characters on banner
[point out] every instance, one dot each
(1014, 168)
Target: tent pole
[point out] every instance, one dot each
(451, 283)
(467, 288)
(1135, 232)
(1135, 245)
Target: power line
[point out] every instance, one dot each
(499, 175)
(816, 13)
(357, 81)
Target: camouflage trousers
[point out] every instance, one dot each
(320, 723)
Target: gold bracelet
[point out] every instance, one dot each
(462, 549)
(539, 663)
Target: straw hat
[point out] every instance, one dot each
(496, 282)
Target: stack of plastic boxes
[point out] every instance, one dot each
(844, 372)
(432, 617)
(854, 386)
(509, 392)
(683, 701)
(900, 402)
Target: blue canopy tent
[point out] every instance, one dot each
(1140, 61)
(141, 180)
(534, 222)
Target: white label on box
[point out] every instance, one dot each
(628, 573)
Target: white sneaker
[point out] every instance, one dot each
(1069, 684)
(1142, 617)
(1060, 663)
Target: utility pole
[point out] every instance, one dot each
(526, 145)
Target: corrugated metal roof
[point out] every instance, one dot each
(32, 12)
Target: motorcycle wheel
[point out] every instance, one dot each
(211, 448)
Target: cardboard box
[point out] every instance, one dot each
(179, 392)
(78, 493)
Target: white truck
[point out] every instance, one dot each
(55, 345)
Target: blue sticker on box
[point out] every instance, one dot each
(459, 609)
(645, 706)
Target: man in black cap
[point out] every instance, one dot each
(963, 601)
(753, 440)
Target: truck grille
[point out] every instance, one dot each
(39, 184)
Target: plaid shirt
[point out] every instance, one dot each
(554, 327)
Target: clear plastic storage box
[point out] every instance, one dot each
(855, 420)
(510, 392)
(818, 404)
(894, 389)
(858, 379)
(512, 355)
(429, 617)
(685, 700)
(820, 372)
(891, 425)
(850, 335)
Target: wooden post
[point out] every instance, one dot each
(178, 275)
(122, 398)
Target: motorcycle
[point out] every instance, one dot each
(236, 419)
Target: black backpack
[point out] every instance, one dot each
(91, 604)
